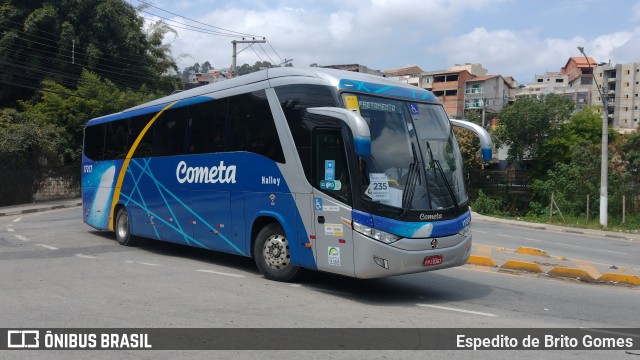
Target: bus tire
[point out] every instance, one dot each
(271, 252)
(123, 228)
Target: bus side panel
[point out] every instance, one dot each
(307, 257)
(216, 232)
(238, 222)
(98, 180)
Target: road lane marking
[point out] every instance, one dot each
(20, 237)
(457, 310)
(48, 246)
(17, 220)
(221, 273)
(87, 256)
(10, 230)
(480, 232)
(507, 236)
(141, 263)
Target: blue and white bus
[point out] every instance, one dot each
(312, 168)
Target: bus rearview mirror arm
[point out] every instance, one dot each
(357, 124)
(486, 144)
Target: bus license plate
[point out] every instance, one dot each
(432, 260)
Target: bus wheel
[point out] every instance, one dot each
(272, 254)
(123, 228)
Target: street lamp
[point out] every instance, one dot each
(604, 161)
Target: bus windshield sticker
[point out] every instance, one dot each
(378, 188)
(334, 255)
(378, 106)
(330, 185)
(329, 169)
(413, 107)
(351, 102)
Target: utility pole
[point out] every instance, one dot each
(483, 112)
(235, 52)
(73, 52)
(604, 162)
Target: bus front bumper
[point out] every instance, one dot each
(374, 259)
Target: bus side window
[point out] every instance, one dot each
(252, 127)
(171, 133)
(145, 146)
(115, 146)
(207, 131)
(94, 142)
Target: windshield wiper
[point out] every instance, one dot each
(412, 179)
(446, 183)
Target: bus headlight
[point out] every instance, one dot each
(375, 234)
(466, 231)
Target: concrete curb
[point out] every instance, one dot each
(40, 208)
(531, 251)
(556, 271)
(522, 266)
(561, 271)
(620, 278)
(482, 261)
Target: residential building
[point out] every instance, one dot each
(473, 69)
(409, 75)
(573, 81)
(449, 88)
(211, 76)
(621, 88)
(355, 68)
(489, 93)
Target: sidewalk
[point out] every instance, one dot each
(39, 207)
(529, 260)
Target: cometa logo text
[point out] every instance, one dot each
(206, 175)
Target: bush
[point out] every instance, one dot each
(486, 205)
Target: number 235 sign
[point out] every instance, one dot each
(378, 187)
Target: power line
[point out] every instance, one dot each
(190, 27)
(274, 50)
(196, 21)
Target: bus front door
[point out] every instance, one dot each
(332, 218)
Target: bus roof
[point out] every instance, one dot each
(338, 78)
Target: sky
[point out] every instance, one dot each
(519, 38)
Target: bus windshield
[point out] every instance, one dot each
(415, 162)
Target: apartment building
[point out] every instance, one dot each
(573, 81)
(449, 88)
(490, 93)
(620, 85)
(412, 75)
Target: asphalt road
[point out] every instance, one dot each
(58, 272)
(623, 253)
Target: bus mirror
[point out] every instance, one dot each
(357, 124)
(486, 145)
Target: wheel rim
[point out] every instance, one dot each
(123, 226)
(276, 252)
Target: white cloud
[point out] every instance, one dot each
(386, 34)
(369, 32)
(636, 12)
(509, 52)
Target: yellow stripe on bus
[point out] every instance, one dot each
(125, 165)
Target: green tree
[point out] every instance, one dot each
(570, 182)
(55, 40)
(25, 145)
(527, 125)
(69, 109)
(584, 126)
